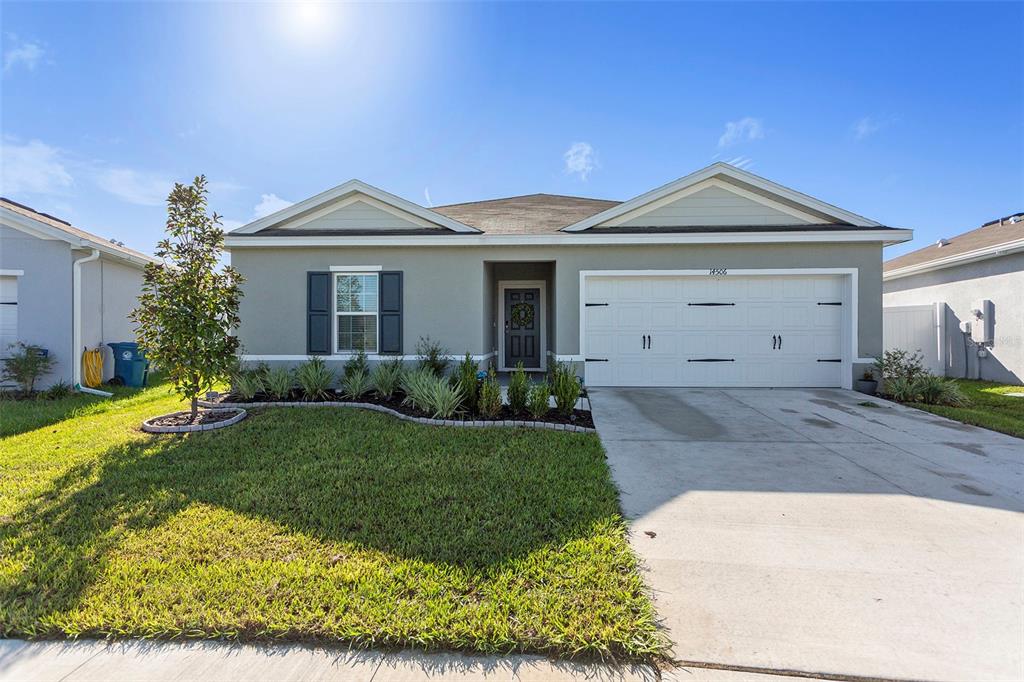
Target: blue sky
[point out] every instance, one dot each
(909, 113)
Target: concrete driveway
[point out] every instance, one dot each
(801, 530)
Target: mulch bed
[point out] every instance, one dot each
(202, 417)
(578, 418)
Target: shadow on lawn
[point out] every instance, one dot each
(468, 498)
(21, 416)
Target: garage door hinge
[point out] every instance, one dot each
(712, 360)
(830, 303)
(595, 305)
(831, 360)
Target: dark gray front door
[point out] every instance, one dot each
(522, 327)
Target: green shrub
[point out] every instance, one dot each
(933, 390)
(518, 387)
(902, 389)
(467, 381)
(315, 378)
(433, 356)
(443, 398)
(355, 385)
(387, 377)
(25, 365)
(898, 363)
(277, 382)
(537, 402)
(565, 386)
(61, 389)
(355, 364)
(489, 400)
(418, 385)
(247, 383)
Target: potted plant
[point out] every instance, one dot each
(867, 384)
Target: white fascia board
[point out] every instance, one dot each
(996, 251)
(351, 187)
(562, 239)
(45, 231)
(720, 168)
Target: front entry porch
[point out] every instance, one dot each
(519, 311)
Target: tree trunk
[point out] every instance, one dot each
(195, 407)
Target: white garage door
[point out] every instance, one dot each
(713, 331)
(8, 313)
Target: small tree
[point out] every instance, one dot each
(189, 304)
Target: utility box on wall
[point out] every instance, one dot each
(983, 322)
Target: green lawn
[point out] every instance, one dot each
(989, 408)
(314, 524)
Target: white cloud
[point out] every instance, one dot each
(743, 130)
(741, 162)
(866, 127)
(33, 167)
(580, 159)
(426, 195)
(135, 187)
(21, 52)
(269, 203)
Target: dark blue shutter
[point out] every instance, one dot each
(318, 313)
(390, 313)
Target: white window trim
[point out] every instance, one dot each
(522, 284)
(849, 328)
(356, 269)
(11, 273)
(337, 314)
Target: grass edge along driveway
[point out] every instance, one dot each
(989, 407)
(317, 524)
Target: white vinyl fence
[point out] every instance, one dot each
(917, 327)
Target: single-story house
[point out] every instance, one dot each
(719, 278)
(64, 289)
(975, 278)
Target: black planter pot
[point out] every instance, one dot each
(868, 386)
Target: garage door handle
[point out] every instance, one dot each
(643, 341)
(648, 342)
(775, 340)
(780, 341)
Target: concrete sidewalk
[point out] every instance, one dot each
(100, 661)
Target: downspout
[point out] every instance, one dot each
(76, 324)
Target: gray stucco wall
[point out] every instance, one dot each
(110, 291)
(1001, 280)
(443, 285)
(44, 295)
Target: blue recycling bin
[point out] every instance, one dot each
(130, 363)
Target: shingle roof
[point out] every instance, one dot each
(988, 235)
(528, 214)
(70, 229)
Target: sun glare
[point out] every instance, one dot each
(308, 21)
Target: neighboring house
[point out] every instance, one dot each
(928, 293)
(720, 278)
(64, 289)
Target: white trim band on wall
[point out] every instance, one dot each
(343, 357)
(356, 268)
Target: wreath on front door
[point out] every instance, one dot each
(522, 315)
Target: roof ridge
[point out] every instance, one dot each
(36, 211)
(523, 196)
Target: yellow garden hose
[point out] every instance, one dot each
(92, 364)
